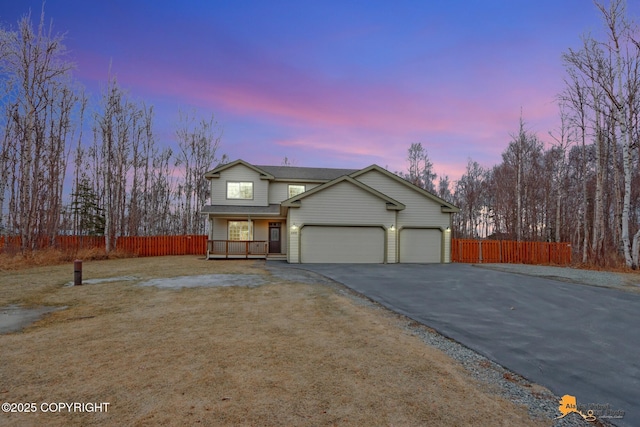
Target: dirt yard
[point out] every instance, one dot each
(278, 354)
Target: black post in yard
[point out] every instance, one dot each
(77, 272)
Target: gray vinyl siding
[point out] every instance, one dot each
(260, 229)
(219, 229)
(279, 191)
(342, 204)
(239, 173)
(420, 211)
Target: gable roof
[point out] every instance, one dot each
(284, 173)
(215, 173)
(445, 206)
(330, 177)
(392, 204)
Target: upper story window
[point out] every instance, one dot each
(294, 190)
(240, 190)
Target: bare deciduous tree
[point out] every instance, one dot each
(563, 139)
(610, 70)
(198, 142)
(471, 200)
(420, 171)
(39, 101)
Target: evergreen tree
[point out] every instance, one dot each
(88, 216)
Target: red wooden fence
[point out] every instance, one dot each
(163, 245)
(462, 250)
(137, 245)
(504, 251)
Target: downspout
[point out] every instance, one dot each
(396, 236)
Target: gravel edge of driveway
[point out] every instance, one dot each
(628, 282)
(540, 403)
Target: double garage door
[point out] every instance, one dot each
(321, 244)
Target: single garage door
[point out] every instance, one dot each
(420, 245)
(341, 244)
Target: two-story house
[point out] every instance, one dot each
(323, 215)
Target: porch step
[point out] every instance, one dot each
(277, 257)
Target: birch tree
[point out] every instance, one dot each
(523, 149)
(471, 200)
(563, 139)
(38, 105)
(117, 128)
(611, 68)
(620, 33)
(198, 142)
(575, 98)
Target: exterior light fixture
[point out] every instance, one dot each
(392, 228)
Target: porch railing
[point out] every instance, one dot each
(237, 248)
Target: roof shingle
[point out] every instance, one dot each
(294, 172)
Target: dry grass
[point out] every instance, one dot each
(11, 260)
(278, 354)
(610, 260)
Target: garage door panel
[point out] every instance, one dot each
(320, 244)
(420, 245)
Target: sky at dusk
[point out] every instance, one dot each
(333, 83)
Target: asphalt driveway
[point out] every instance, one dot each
(574, 339)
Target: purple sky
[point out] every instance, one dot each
(333, 83)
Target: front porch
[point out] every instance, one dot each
(237, 249)
(246, 232)
(241, 249)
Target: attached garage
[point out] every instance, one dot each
(323, 215)
(420, 245)
(335, 244)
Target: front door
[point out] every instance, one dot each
(274, 237)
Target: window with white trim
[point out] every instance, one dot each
(294, 190)
(240, 230)
(240, 190)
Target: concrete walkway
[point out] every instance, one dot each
(574, 339)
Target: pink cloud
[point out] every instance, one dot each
(348, 119)
(312, 100)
